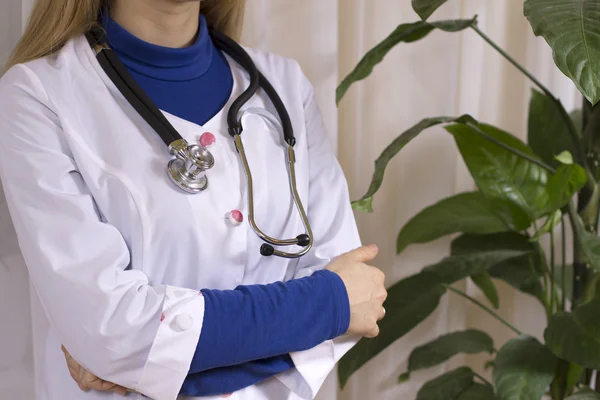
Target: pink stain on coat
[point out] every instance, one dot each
(226, 395)
(162, 317)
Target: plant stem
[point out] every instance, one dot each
(517, 152)
(492, 313)
(552, 270)
(580, 263)
(482, 378)
(575, 135)
(575, 222)
(563, 235)
(512, 61)
(559, 383)
(545, 297)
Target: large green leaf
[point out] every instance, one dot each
(523, 272)
(424, 8)
(577, 118)
(473, 244)
(548, 133)
(365, 202)
(589, 126)
(564, 184)
(413, 299)
(445, 347)
(575, 336)
(404, 33)
(464, 212)
(513, 184)
(571, 29)
(477, 391)
(488, 288)
(454, 268)
(585, 395)
(524, 369)
(447, 386)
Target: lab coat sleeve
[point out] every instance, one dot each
(335, 232)
(108, 316)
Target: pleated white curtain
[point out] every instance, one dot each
(445, 74)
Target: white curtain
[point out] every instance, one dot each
(445, 74)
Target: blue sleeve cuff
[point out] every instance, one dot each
(225, 380)
(256, 322)
(340, 296)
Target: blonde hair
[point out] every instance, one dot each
(54, 22)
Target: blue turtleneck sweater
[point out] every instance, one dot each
(194, 83)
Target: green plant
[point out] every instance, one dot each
(525, 191)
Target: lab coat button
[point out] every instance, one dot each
(207, 139)
(184, 322)
(235, 217)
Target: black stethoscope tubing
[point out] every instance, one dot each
(140, 101)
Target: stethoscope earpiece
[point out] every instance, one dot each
(267, 250)
(303, 240)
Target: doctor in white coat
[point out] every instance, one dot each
(153, 290)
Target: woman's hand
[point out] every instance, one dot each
(365, 287)
(87, 380)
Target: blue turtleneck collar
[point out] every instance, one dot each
(164, 63)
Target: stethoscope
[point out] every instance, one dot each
(187, 169)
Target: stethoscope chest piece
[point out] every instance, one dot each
(188, 169)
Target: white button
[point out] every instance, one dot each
(184, 322)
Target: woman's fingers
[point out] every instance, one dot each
(86, 380)
(91, 381)
(121, 390)
(106, 386)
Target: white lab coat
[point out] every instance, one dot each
(117, 254)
